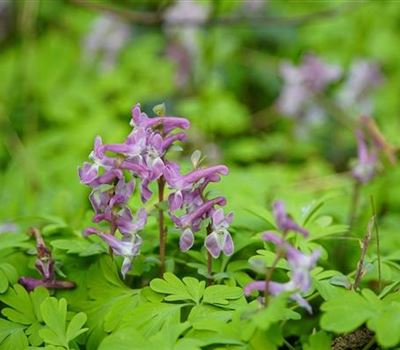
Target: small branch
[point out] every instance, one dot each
(161, 225)
(155, 18)
(269, 271)
(378, 249)
(355, 199)
(364, 247)
(209, 259)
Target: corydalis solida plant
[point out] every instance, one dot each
(117, 170)
(299, 263)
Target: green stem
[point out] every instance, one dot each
(209, 259)
(161, 225)
(355, 201)
(270, 270)
(378, 246)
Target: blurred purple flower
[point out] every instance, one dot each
(8, 227)
(275, 288)
(284, 222)
(302, 84)
(188, 12)
(253, 7)
(107, 36)
(365, 168)
(299, 263)
(363, 78)
(181, 25)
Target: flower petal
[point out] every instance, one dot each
(186, 240)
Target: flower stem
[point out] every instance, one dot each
(378, 248)
(161, 225)
(270, 270)
(209, 259)
(354, 205)
(268, 275)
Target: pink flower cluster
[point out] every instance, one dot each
(116, 170)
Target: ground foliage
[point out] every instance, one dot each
(52, 104)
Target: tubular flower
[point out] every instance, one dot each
(284, 221)
(116, 170)
(129, 245)
(45, 266)
(299, 263)
(220, 240)
(300, 266)
(141, 158)
(188, 195)
(365, 168)
(302, 84)
(275, 288)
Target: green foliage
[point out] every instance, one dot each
(381, 315)
(54, 313)
(54, 99)
(35, 318)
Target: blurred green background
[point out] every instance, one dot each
(70, 70)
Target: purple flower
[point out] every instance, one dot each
(299, 263)
(220, 240)
(275, 288)
(167, 124)
(31, 283)
(284, 222)
(186, 240)
(105, 40)
(365, 168)
(189, 187)
(364, 77)
(194, 218)
(129, 246)
(187, 11)
(302, 84)
(45, 266)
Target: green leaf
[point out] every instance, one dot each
(7, 328)
(79, 246)
(12, 240)
(23, 309)
(189, 289)
(337, 317)
(54, 313)
(75, 326)
(221, 295)
(386, 320)
(319, 340)
(275, 312)
(15, 340)
(23, 306)
(108, 296)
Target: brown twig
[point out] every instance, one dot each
(155, 18)
(161, 225)
(364, 246)
(378, 248)
(379, 139)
